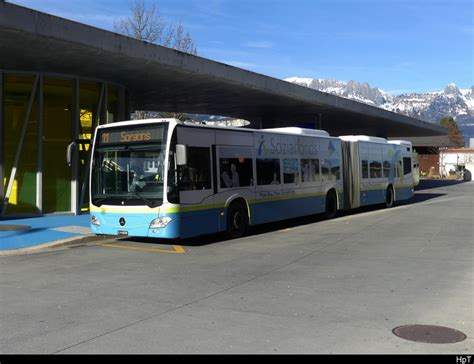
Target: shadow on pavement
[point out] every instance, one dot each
(221, 237)
(422, 197)
(426, 184)
(300, 221)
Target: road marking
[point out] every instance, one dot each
(177, 249)
(285, 230)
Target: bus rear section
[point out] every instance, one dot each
(376, 171)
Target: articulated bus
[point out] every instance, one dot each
(165, 178)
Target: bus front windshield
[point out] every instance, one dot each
(128, 174)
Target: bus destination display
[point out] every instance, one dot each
(131, 136)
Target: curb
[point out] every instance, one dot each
(69, 242)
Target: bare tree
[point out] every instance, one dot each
(146, 23)
(182, 40)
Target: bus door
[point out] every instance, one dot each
(235, 176)
(235, 170)
(195, 182)
(269, 202)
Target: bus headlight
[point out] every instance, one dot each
(160, 222)
(95, 220)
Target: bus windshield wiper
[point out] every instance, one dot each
(148, 202)
(98, 201)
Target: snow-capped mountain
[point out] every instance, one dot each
(352, 90)
(428, 106)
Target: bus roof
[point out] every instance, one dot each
(363, 138)
(401, 142)
(288, 130)
(300, 131)
(137, 122)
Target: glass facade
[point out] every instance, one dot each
(40, 116)
(90, 115)
(57, 134)
(17, 92)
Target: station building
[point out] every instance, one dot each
(44, 114)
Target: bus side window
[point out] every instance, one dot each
(386, 169)
(365, 169)
(290, 171)
(375, 169)
(196, 175)
(335, 168)
(325, 171)
(315, 170)
(236, 172)
(268, 172)
(406, 165)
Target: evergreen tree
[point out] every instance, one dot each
(455, 135)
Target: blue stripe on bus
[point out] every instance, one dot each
(210, 221)
(265, 212)
(403, 193)
(371, 197)
(376, 196)
(183, 224)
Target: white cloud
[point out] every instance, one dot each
(260, 44)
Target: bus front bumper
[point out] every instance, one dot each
(144, 225)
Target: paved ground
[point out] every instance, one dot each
(307, 286)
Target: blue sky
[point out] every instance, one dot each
(396, 45)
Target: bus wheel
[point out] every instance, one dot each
(331, 205)
(389, 198)
(237, 220)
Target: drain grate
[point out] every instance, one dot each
(429, 334)
(14, 227)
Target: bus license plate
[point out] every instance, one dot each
(122, 232)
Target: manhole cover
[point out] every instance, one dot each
(429, 334)
(14, 227)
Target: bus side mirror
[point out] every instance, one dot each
(181, 154)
